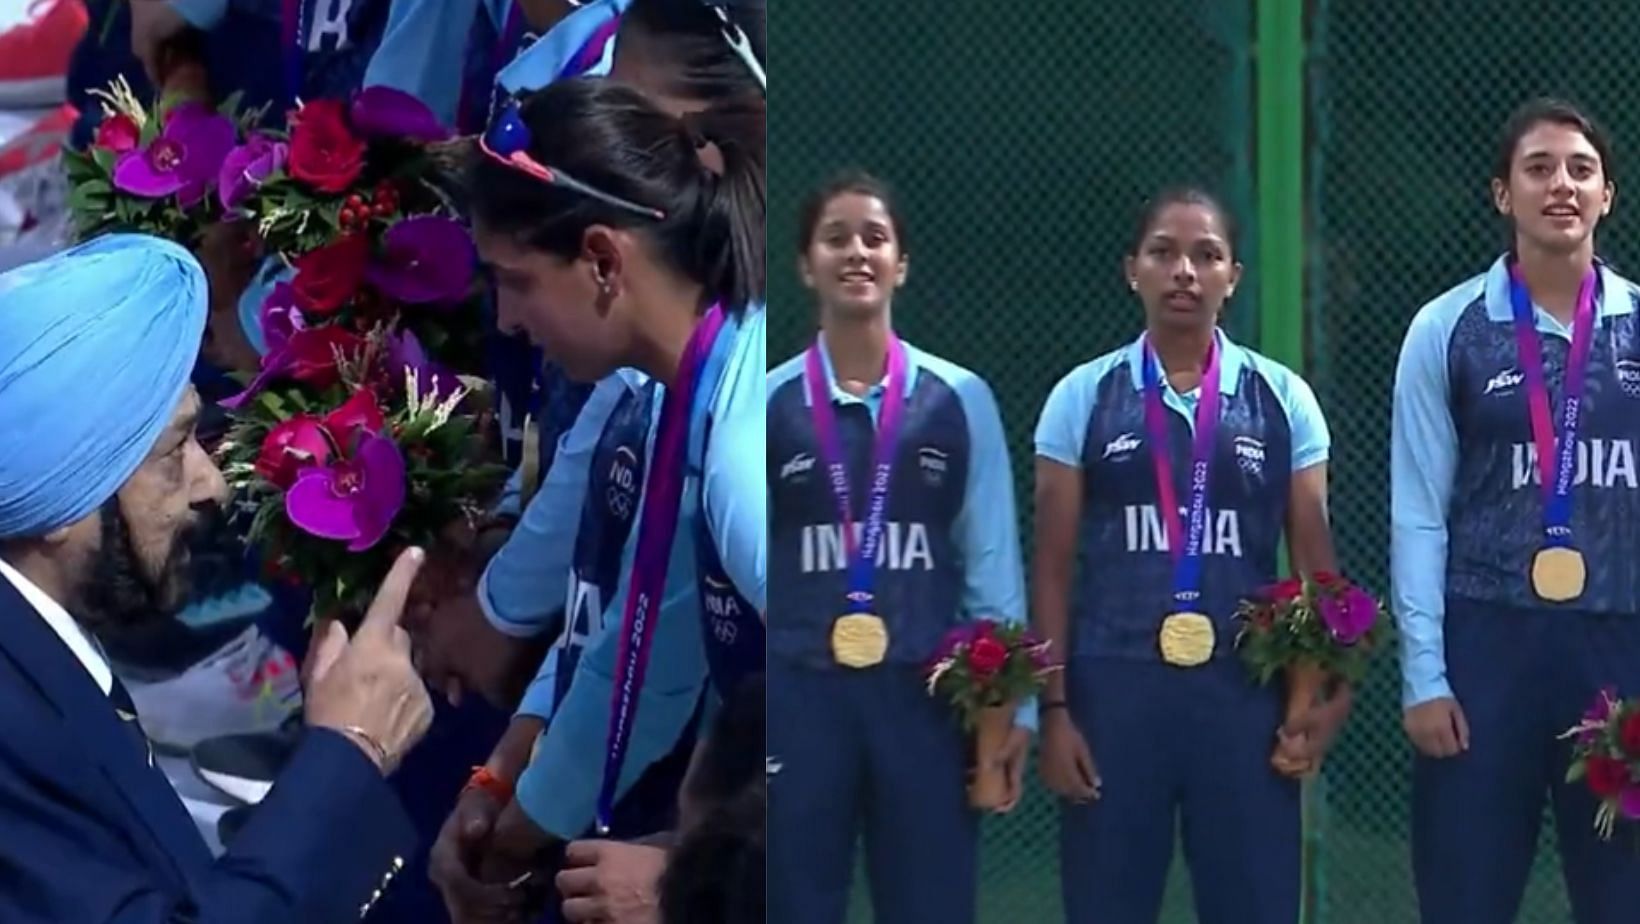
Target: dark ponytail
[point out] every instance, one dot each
(686, 39)
(614, 139)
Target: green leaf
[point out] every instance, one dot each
(273, 404)
(1577, 771)
(104, 159)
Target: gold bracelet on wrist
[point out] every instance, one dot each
(371, 743)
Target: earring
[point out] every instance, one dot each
(1133, 285)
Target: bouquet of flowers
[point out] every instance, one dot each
(985, 669)
(154, 171)
(1310, 630)
(1606, 756)
(358, 435)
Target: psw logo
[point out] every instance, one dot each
(622, 493)
(1504, 382)
(933, 463)
(1250, 455)
(800, 464)
(1122, 447)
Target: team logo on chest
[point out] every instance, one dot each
(932, 462)
(1505, 382)
(1122, 448)
(621, 493)
(797, 468)
(1249, 455)
(722, 609)
(1628, 377)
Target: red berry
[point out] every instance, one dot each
(382, 210)
(355, 201)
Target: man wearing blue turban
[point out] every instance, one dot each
(101, 482)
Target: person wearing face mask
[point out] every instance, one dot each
(102, 484)
(862, 746)
(1513, 550)
(1154, 720)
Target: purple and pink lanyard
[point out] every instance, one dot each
(861, 550)
(663, 496)
(1557, 462)
(1185, 547)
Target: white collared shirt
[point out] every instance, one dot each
(67, 629)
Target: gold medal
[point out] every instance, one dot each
(859, 640)
(1558, 574)
(1186, 639)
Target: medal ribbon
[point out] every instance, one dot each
(862, 559)
(663, 492)
(292, 38)
(1557, 464)
(1186, 547)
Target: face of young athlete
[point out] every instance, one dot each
(1557, 190)
(1184, 269)
(853, 262)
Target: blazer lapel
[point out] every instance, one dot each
(90, 717)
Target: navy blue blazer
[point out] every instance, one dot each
(90, 833)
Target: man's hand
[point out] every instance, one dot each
(607, 882)
(454, 860)
(1015, 751)
(1301, 744)
(154, 24)
(518, 846)
(1437, 728)
(366, 688)
(1067, 765)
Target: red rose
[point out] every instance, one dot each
(327, 278)
(323, 151)
(1288, 590)
(987, 656)
(118, 133)
(1607, 777)
(1629, 735)
(291, 447)
(1328, 579)
(359, 415)
(313, 354)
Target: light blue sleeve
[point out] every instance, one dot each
(1312, 442)
(528, 579)
(1423, 461)
(201, 14)
(559, 788)
(987, 528)
(544, 60)
(422, 50)
(539, 696)
(736, 470)
(1062, 428)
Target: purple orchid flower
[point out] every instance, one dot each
(247, 167)
(404, 351)
(352, 500)
(1628, 803)
(184, 159)
(280, 316)
(1350, 615)
(424, 260)
(383, 112)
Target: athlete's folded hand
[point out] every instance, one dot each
(1437, 728)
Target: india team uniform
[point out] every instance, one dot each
(872, 750)
(1468, 518)
(559, 789)
(1171, 741)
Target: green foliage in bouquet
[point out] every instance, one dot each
(1322, 620)
(984, 664)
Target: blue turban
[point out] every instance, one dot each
(97, 345)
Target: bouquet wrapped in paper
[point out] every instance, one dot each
(167, 170)
(985, 669)
(1606, 758)
(1311, 631)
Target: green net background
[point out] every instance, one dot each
(1023, 136)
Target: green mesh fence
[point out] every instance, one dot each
(1022, 136)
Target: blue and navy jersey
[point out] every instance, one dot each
(732, 625)
(950, 546)
(1269, 427)
(1467, 500)
(245, 51)
(554, 560)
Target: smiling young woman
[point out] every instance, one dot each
(1516, 600)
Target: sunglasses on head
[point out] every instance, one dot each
(739, 43)
(508, 141)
